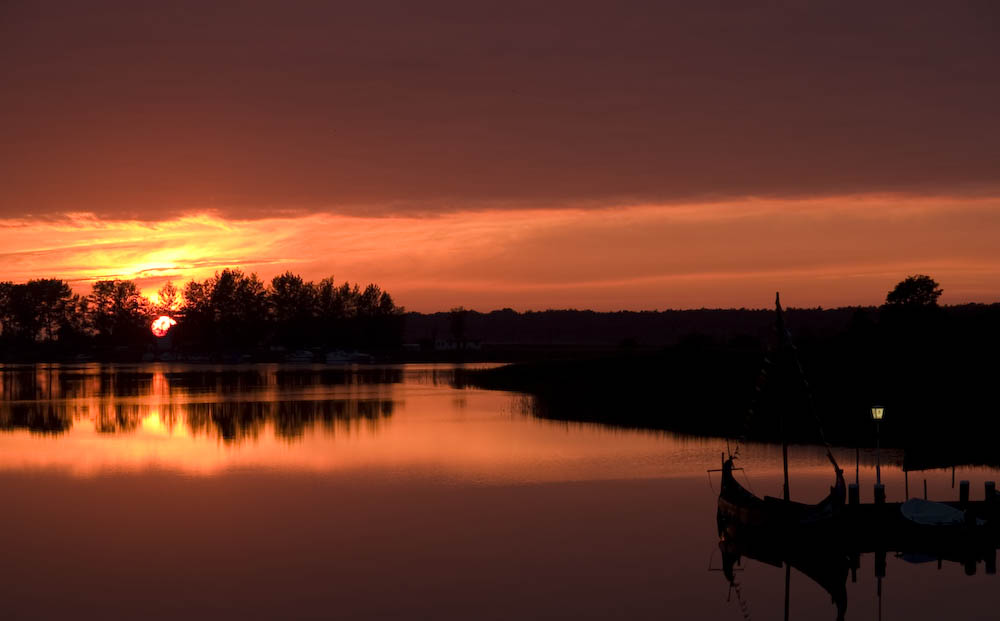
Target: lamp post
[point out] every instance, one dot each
(877, 413)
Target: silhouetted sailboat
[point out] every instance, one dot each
(825, 540)
(740, 508)
(790, 532)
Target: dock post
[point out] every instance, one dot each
(853, 495)
(963, 493)
(925, 489)
(990, 499)
(880, 494)
(991, 561)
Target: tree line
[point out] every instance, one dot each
(932, 367)
(231, 311)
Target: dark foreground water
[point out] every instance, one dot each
(266, 492)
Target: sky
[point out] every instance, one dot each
(605, 155)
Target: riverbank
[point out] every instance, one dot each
(936, 399)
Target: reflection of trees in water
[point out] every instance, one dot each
(240, 420)
(248, 380)
(233, 421)
(288, 378)
(47, 399)
(50, 382)
(292, 418)
(29, 383)
(37, 417)
(119, 417)
(452, 377)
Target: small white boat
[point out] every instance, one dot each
(930, 513)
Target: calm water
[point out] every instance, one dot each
(266, 492)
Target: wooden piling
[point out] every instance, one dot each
(963, 493)
(853, 495)
(880, 494)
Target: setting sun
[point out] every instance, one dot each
(162, 325)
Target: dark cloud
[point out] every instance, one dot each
(148, 109)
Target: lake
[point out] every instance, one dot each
(309, 492)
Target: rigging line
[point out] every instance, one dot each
(747, 479)
(744, 606)
(808, 389)
(759, 385)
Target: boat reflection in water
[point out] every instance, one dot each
(829, 550)
(825, 541)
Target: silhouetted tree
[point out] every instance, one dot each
(919, 290)
(368, 301)
(39, 310)
(169, 299)
(293, 308)
(228, 310)
(17, 313)
(54, 302)
(456, 323)
(377, 317)
(331, 300)
(118, 312)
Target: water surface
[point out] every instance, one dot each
(268, 491)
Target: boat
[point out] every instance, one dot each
(929, 513)
(741, 509)
(825, 540)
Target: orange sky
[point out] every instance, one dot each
(492, 154)
(828, 252)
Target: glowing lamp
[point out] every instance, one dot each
(877, 413)
(162, 325)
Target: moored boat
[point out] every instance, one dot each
(741, 509)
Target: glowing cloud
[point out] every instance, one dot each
(834, 251)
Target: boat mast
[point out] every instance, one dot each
(782, 341)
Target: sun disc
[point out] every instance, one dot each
(162, 325)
